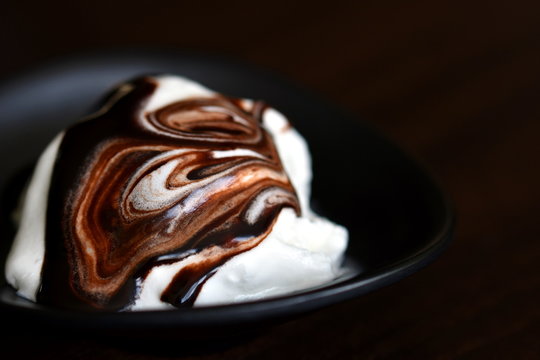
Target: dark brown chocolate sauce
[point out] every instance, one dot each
(103, 234)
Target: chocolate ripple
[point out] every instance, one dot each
(131, 190)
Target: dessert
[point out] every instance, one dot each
(171, 195)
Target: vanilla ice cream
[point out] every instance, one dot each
(172, 195)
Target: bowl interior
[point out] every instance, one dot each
(397, 217)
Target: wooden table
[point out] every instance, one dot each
(454, 83)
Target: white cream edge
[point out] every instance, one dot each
(25, 259)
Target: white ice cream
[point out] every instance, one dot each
(299, 253)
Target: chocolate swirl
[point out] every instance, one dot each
(133, 189)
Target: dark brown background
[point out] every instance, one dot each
(454, 83)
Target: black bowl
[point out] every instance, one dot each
(398, 218)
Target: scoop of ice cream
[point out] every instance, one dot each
(172, 195)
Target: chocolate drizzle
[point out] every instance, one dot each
(198, 179)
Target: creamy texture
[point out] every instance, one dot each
(202, 208)
(24, 263)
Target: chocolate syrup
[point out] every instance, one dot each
(104, 231)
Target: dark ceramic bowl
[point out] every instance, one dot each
(397, 216)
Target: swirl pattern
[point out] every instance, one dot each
(133, 189)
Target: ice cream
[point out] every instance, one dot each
(172, 195)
